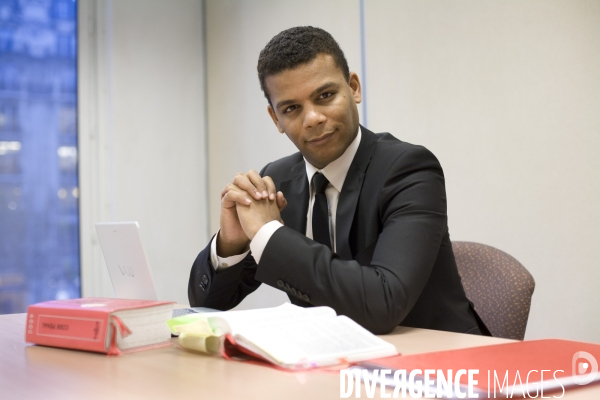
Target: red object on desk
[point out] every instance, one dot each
(564, 363)
(92, 324)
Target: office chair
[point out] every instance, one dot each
(498, 285)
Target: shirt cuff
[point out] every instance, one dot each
(223, 262)
(258, 244)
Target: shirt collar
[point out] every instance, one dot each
(336, 171)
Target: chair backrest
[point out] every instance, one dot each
(498, 285)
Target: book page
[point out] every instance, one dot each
(312, 341)
(236, 321)
(147, 326)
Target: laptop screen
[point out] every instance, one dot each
(126, 260)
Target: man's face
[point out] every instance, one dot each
(316, 108)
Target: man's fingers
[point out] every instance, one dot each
(270, 185)
(255, 185)
(243, 182)
(281, 201)
(235, 196)
(258, 182)
(228, 188)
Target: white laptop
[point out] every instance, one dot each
(126, 260)
(128, 265)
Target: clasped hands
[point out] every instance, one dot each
(247, 203)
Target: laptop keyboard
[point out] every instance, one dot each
(178, 312)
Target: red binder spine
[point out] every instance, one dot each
(67, 328)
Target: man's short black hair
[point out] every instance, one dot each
(296, 46)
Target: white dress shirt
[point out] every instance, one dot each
(335, 172)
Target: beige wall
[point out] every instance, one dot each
(142, 134)
(505, 93)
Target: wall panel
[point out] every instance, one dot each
(506, 94)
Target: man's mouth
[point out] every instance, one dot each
(324, 138)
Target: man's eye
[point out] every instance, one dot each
(326, 95)
(289, 109)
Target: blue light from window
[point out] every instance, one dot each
(39, 189)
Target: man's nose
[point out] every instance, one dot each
(313, 117)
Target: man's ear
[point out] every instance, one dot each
(274, 118)
(354, 84)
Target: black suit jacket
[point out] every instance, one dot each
(394, 262)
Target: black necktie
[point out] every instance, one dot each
(320, 214)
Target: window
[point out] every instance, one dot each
(39, 193)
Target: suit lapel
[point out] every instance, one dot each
(350, 193)
(296, 193)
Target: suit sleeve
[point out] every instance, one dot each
(221, 290)
(411, 214)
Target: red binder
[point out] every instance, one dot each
(514, 366)
(103, 325)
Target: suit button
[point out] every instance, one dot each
(287, 287)
(305, 298)
(294, 292)
(280, 283)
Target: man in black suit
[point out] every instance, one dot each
(382, 253)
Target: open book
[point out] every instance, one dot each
(288, 336)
